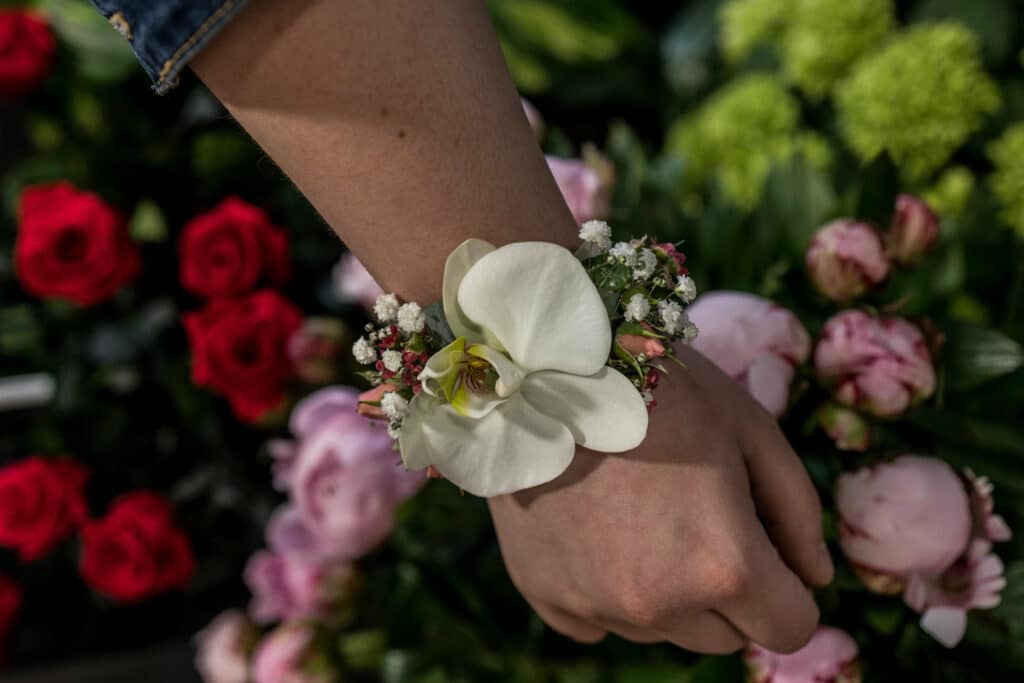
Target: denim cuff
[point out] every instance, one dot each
(166, 34)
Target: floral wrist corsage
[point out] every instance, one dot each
(496, 385)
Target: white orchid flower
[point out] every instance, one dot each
(505, 404)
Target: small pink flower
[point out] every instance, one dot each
(848, 430)
(582, 188)
(291, 586)
(678, 257)
(282, 656)
(639, 345)
(354, 284)
(830, 657)
(914, 230)
(753, 341)
(846, 259)
(315, 350)
(880, 365)
(223, 648)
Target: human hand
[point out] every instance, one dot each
(705, 536)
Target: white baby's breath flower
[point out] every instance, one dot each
(411, 318)
(624, 252)
(386, 308)
(647, 262)
(673, 318)
(392, 360)
(686, 288)
(690, 331)
(394, 430)
(364, 351)
(393, 405)
(638, 308)
(597, 233)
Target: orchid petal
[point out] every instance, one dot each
(537, 300)
(512, 448)
(604, 412)
(440, 374)
(509, 374)
(455, 268)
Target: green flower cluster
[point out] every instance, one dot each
(739, 133)
(1007, 181)
(817, 40)
(919, 98)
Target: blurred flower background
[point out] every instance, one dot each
(179, 449)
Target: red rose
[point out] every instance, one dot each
(226, 250)
(41, 503)
(240, 350)
(72, 244)
(136, 551)
(27, 47)
(10, 605)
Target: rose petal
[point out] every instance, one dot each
(604, 412)
(455, 268)
(539, 303)
(514, 447)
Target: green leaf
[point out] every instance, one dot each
(878, 190)
(101, 54)
(974, 355)
(797, 199)
(364, 649)
(148, 223)
(437, 323)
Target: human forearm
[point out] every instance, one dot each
(397, 120)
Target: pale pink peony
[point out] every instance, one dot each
(880, 365)
(753, 341)
(582, 187)
(830, 657)
(914, 230)
(847, 429)
(354, 284)
(315, 350)
(846, 259)
(223, 648)
(291, 586)
(282, 656)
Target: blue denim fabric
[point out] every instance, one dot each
(165, 34)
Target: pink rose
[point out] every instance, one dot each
(914, 230)
(353, 283)
(282, 656)
(315, 350)
(880, 365)
(534, 117)
(582, 188)
(846, 259)
(830, 657)
(848, 430)
(753, 341)
(291, 586)
(223, 648)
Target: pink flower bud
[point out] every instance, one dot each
(283, 656)
(315, 350)
(223, 648)
(846, 259)
(914, 230)
(369, 401)
(753, 341)
(911, 515)
(880, 365)
(291, 586)
(830, 657)
(847, 429)
(640, 345)
(582, 188)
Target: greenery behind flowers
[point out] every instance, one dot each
(736, 127)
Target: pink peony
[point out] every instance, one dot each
(830, 657)
(282, 656)
(753, 341)
(354, 284)
(880, 365)
(291, 586)
(223, 648)
(582, 188)
(846, 259)
(914, 230)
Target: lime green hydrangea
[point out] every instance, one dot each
(817, 40)
(950, 193)
(919, 98)
(739, 133)
(1007, 181)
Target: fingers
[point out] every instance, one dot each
(567, 624)
(708, 633)
(767, 602)
(787, 503)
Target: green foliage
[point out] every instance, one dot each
(1007, 180)
(919, 98)
(739, 132)
(747, 23)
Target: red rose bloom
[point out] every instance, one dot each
(240, 350)
(27, 47)
(72, 244)
(225, 251)
(136, 551)
(41, 503)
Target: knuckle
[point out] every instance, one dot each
(642, 606)
(732, 580)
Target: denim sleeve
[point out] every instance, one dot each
(165, 34)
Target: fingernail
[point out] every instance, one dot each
(825, 558)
